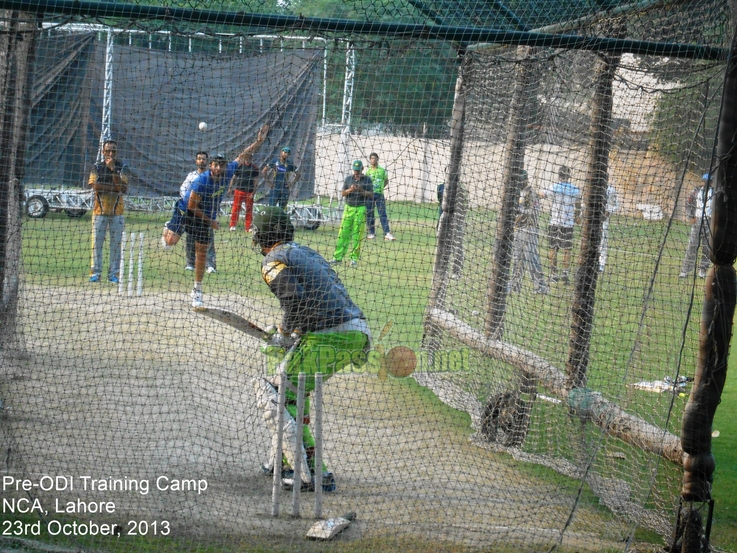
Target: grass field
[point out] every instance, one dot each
(393, 281)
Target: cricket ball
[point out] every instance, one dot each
(400, 361)
(203, 126)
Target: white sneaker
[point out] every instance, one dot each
(232, 229)
(189, 268)
(211, 270)
(371, 237)
(702, 273)
(196, 297)
(389, 236)
(354, 263)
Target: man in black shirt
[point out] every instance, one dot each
(358, 192)
(243, 185)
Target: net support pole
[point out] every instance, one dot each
(107, 93)
(444, 243)
(513, 164)
(594, 200)
(17, 52)
(720, 295)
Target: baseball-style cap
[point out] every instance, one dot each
(358, 165)
(219, 158)
(286, 149)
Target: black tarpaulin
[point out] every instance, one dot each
(158, 99)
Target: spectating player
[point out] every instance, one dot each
(319, 312)
(563, 215)
(358, 192)
(698, 207)
(612, 206)
(526, 256)
(243, 186)
(380, 178)
(109, 181)
(281, 174)
(203, 204)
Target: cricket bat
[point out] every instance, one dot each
(328, 529)
(234, 320)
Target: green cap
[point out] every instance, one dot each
(269, 218)
(358, 165)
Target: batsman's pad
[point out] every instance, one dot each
(267, 400)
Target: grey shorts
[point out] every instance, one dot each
(560, 237)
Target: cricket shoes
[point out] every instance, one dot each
(286, 471)
(702, 273)
(371, 237)
(328, 483)
(389, 236)
(354, 263)
(682, 275)
(232, 229)
(196, 297)
(334, 262)
(113, 279)
(95, 278)
(189, 268)
(211, 270)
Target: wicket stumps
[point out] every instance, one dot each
(121, 281)
(297, 478)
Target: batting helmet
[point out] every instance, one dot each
(270, 226)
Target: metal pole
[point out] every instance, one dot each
(297, 482)
(107, 94)
(278, 452)
(121, 274)
(139, 287)
(317, 409)
(324, 84)
(350, 71)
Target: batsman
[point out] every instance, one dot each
(318, 312)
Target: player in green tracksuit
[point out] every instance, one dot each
(331, 329)
(358, 192)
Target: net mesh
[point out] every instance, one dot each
(533, 337)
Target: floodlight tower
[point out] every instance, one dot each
(350, 72)
(107, 94)
(344, 157)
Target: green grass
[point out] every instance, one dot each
(393, 282)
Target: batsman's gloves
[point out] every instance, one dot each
(280, 340)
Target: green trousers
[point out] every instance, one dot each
(319, 353)
(351, 234)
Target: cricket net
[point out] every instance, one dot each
(539, 407)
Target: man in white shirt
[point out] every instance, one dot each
(564, 212)
(612, 206)
(698, 213)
